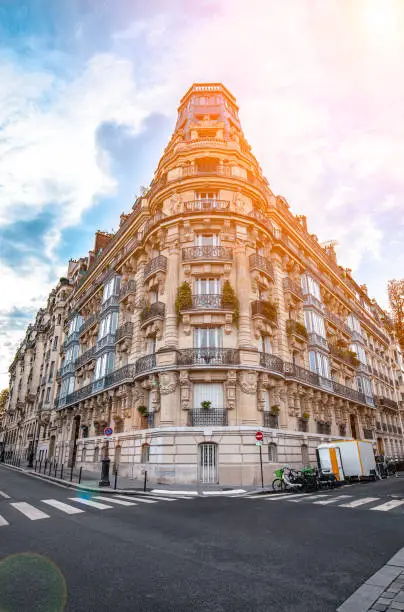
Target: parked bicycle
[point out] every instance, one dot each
(289, 479)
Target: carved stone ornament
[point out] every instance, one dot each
(248, 381)
(168, 382)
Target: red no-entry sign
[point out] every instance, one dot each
(259, 436)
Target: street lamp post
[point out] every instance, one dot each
(105, 463)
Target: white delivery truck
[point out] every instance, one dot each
(347, 459)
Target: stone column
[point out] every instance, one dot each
(243, 292)
(171, 284)
(247, 398)
(169, 399)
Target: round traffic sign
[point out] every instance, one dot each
(259, 436)
(108, 431)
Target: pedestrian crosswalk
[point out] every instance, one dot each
(333, 499)
(35, 510)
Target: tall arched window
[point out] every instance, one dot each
(272, 452)
(96, 454)
(145, 455)
(83, 454)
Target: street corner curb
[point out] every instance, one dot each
(364, 597)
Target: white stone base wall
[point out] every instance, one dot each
(174, 453)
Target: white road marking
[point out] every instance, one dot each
(302, 497)
(332, 500)
(393, 503)
(90, 502)
(29, 511)
(115, 501)
(159, 498)
(55, 503)
(4, 495)
(164, 492)
(3, 521)
(359, 502)
(139, 499)
(275, 496)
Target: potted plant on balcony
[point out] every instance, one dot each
(305, 416)
(230, 300)
(184, 298)
(142, 410)
(275, 410)
(206, 405)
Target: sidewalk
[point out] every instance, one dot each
(129, 486)
(383, 592)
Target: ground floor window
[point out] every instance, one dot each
(272, 453)
(145, 453)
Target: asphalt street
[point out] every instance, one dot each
(216, 554)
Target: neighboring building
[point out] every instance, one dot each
(211, 313)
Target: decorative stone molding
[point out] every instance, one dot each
(247, 379)
(231, 383)
(185, 390)
(168, 382)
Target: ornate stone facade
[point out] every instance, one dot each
(267, 332)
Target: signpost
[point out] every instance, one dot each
(108, 431)
(259, 436)
(105, 461)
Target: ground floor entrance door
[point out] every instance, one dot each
(208, 468)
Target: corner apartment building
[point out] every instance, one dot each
(212, 312)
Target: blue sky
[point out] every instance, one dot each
(88, 98)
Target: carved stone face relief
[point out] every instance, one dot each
(168, 382)
(248, 381)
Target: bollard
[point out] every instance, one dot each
(56, 469)
(104, 482)
(71, 473)
(116, 478)
(44, 467)
(81, 469)
(36, 463)
(61, 472)
(50, 467)
(145, 481)
(40, 465)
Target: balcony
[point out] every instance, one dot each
(271, 362)
(302, 425)
(158, 264)
(310, 300)
(197, 206)
(368, 434)
(271, 420)
(323, 428)
(262, 264)
(337, 321)
(265, 310)
(344, 354)
(68, 368)
(207, 253)
(293, 288)
(74, 337)
(156, 310)
(107, 341)
(128, 288)
(145, 364)
(85, 357)
(209, 301)
(124, 332)
(385, 402)
(89, 322)
(147, 420)
(294, 328)
(210, 356)
(111, 302)
(315, 340)
(200, 417)
(357, 336)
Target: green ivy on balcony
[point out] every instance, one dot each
(230, 300)
(184, 298)
(294, 327)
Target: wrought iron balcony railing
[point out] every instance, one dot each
(317, 340)
(323, 428)
(105, 341)
(265, 309)
(157, 309)
(125, 331)
(296, 328)
(157, 264)
(368, 434)
(208, 205)
(208, 300)
(85, 357)
(89, 322)
(207, 417)
(73, 337)
(337, 321)
(111, 302)
(271, 420)
(385, 402)
(302, 425)
(127, 288)
(344, 354)
(207, 252)
(357, 336)
(146, 363)
(258, 262)
(310, 300)
(209, 356)
(293, 287)
(271, 362)
(68, 368)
